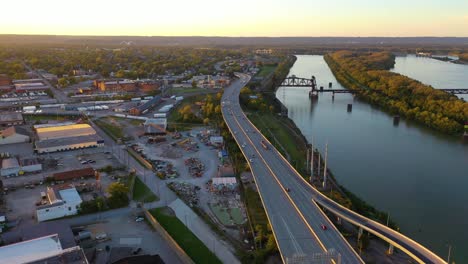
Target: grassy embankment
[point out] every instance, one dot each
(266, 70)
(141, 192)
(195, 248)
(111, 129)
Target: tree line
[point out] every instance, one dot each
(368, 74)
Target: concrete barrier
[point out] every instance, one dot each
(184, 258)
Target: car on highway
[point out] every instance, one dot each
(251, 160)
(324, 227)
(287, 189)
(139, 219)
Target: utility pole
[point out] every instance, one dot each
(449, 251)
(325, 167)
(307, 159)
(318, 167)
(312, 161)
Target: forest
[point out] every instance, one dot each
(368, 74)
(125, 62)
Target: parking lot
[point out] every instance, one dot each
(127, 235)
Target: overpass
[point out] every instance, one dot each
(291, 202)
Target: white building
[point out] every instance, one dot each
(13, 135)
(46, 249)
(216, 140)
(61, 202)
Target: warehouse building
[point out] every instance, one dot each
(62, 201)
(66, 137)
(13, 135)
(11, 119)
(74, 174)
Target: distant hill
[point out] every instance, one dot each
(231, 41)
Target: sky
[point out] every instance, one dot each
(387, 18)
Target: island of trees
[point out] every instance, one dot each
(368, 74)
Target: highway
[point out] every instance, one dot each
(296, 226)
(273, 174)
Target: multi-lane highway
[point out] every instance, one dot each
(291, 202)
(296, 225)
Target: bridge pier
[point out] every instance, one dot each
(360, 232)
(338, 220)
(390, 250)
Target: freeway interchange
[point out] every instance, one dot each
(292, 204)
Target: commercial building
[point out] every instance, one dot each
(155, 126)
(11, 119)
(14, 166)
(216, 140)
(13, 135)
(46, 249)
(4, 80)
(66, 137)
(61, 201)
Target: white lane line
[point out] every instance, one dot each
(296, 245)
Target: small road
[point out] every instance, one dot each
(59, 95)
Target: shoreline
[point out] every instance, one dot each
(355, 199)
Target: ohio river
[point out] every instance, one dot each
(418, 176)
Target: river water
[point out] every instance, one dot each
(418, 176)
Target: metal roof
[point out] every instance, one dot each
(31, 250)
(66, 131)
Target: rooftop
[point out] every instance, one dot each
(10, 163)
(65, 141)
(10, 116)
(66, 131)
(31, 250)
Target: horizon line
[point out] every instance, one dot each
(219, 36)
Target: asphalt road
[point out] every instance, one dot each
(278, 172)
(296, 233)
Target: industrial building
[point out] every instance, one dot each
(66, 137)
(13, 135)
(115, 85)
(74, 174)
(46, 249)
(61, 201)
(11, 119)
(144, 108)
(155, 126)
(14, 166)
(29, 85)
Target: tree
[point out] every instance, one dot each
(118, 195)
(194, 84)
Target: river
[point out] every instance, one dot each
(418, 176)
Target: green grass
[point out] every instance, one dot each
(197, 251)
(142, 193)
(255, 207)
(114, 131)
(46, 117)
(265, 70)
(225, 217)
(269, 122)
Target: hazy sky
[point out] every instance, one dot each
(236, 17)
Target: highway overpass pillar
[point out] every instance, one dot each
(359, 235)
(338, 220)
(390, 250)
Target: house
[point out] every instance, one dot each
(13, 135)
(61, 201)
